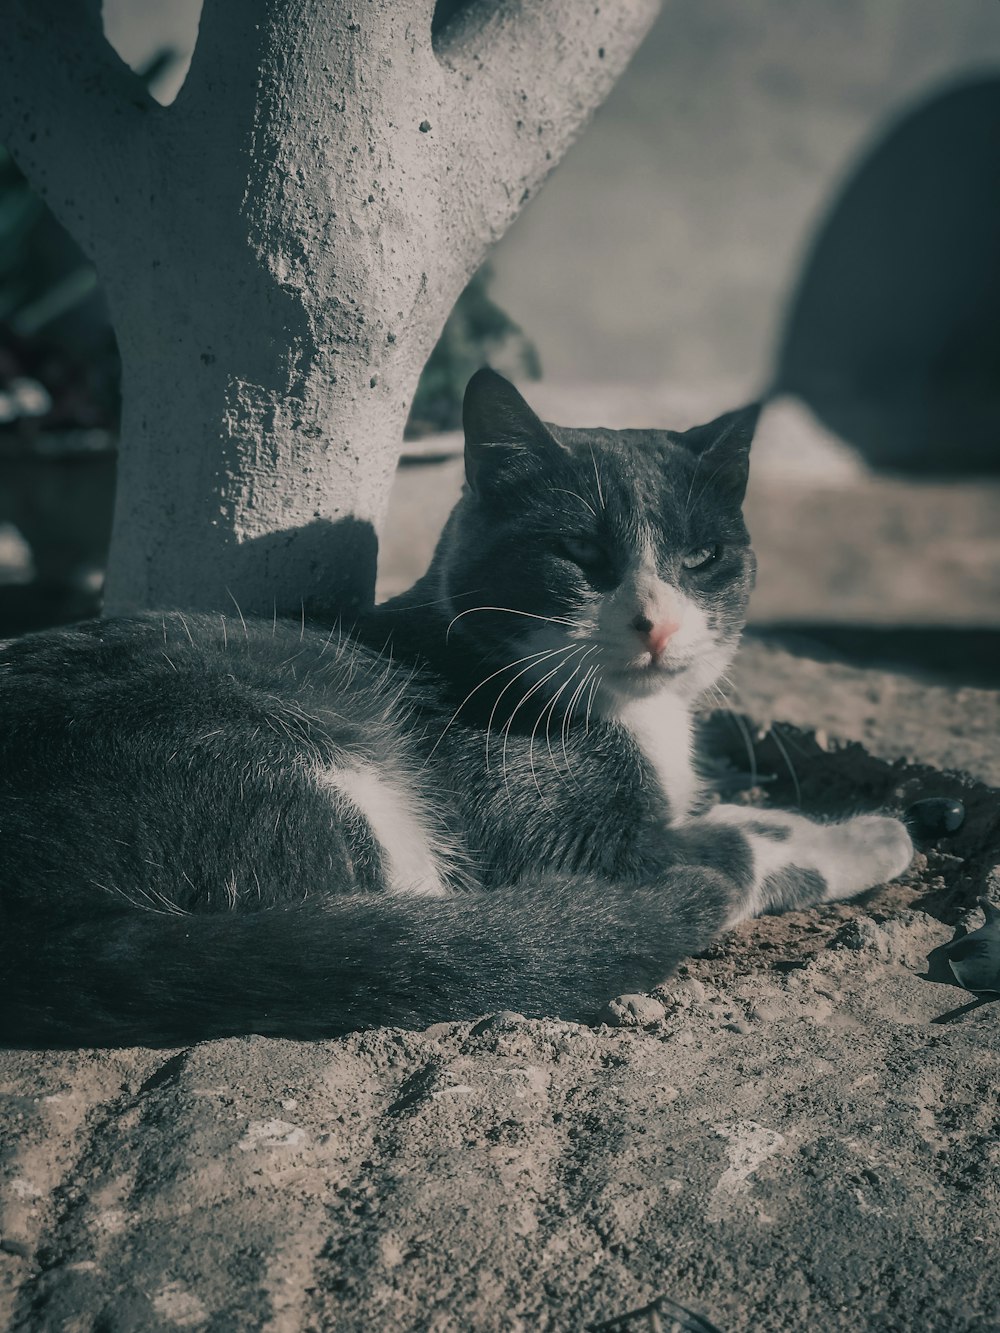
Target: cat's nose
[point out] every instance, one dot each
(655, 635)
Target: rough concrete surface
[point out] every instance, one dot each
(799, 1132)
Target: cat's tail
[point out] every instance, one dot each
(325, 967)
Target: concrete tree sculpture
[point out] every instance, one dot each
(281, 247)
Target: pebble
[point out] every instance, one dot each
(937, 816)
(634, 1011)
(16, 1247)
(502, 1021)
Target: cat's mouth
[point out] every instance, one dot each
(668, 662)
(649, 673)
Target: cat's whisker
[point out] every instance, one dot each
(187, 628)
(329, 637)
(475, 690)
(597, 478)
(246, 632)
(444, 601)
(225, 635)
(788, 763)
(568, 715)
(554, 652)
(551, 713)
(531, 749)
(590, 701)
(505, 733)
(578, 694)
(389, 710)
(744, 731)
(561, 490)
(510, 611)
(740, 723)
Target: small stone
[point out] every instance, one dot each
(737, 1023)
(424, 126)
(499, 1022)
(628, 1011)
(16, 1247)
(863, 934)
(936, 816)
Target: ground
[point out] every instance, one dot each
(798, 1132)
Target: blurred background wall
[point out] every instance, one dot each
(666, 244)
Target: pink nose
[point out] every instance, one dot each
(655, 636)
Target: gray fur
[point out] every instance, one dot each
(210, 826)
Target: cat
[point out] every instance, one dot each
(482, 797)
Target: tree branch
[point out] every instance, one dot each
(71, 112)
(532, 72)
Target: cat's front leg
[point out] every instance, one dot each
(797, 861)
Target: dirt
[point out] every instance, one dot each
(799, 1131)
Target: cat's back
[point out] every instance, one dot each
(168, 709)
(152, 671)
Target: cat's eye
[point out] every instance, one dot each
(582, 550)
(701, 558)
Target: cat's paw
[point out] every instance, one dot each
(871, 850)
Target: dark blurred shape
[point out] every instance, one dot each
(893, 335)
(664, 1315)
(59, 395)
(958, 655)
(58, 360)
(935, 816)
(972, 958)
(444, 12)
(477, 331)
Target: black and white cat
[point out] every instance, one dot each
(484, 797)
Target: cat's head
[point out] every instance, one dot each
(618, 557)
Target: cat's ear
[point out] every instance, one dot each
(724, 447)
(503, 437)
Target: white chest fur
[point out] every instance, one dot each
(661, 727)
(399, 824)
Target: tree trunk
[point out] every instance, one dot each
(281, 249)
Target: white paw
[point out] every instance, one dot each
(872, 850)
(887, 841)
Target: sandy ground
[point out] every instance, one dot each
(799, 1132)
